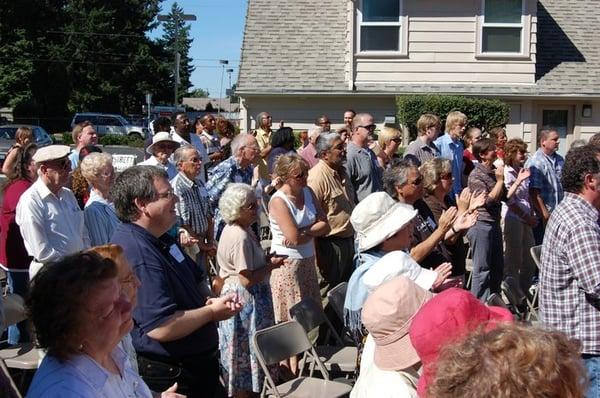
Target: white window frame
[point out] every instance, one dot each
(524, 25)
(402, 25)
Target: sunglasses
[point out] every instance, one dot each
(370, 128)
(397, 140)
(416, 182)
(447, 176)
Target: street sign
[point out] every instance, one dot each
(122, 162)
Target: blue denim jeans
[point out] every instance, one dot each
(18, 283)
(592, 363)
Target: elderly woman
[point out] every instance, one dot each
(80, 314)
(384, 229)
(161, 149)
(404, 183)
(437, 184)
(485, 236)
(79, 185)
(295, 218)
(389, 140)
(245, 270)
(13, 255)
(23, 136)
(99, 212)
(129, 284)
(519, 219)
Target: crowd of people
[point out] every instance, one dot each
(156, 280)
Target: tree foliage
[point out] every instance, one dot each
(483, 113)
(176, 38)
(58, 57)
(199, 93)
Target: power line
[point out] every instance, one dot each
(72, 32)
(69, 61)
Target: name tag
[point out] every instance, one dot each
(176, 253)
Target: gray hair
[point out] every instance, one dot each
(179, 154)
(92, 163)
(235, 196)
(544, 134)
(136, 182)
(396, 176)
(577, 143)
(239, 142)
(259, 119)
(315, 131)
(325, 142)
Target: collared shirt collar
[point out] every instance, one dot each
(44, 191)
(185, 180)
(98, 376)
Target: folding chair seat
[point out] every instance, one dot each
(339, 358)
(283, 341)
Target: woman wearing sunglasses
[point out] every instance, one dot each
(295, 218)
(389, 140)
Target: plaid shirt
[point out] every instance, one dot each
(193, 208)
(545, 176)
(221, 175)
(570, 272)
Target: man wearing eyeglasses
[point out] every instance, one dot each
(175, 322)
(48, 215)
(362, 166)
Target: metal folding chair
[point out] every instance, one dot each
(8, 388)
(536, 252)
(338, 358)
(283, 341)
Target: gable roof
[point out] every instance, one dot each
(306, 53)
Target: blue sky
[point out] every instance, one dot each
(217, 33)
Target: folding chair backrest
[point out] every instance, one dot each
(280, 342)
(309, 314)
(336, 297)
(495, 300)
(536, 253)
(14, 309)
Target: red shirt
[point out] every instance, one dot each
(13, 255)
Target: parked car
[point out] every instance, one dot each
(110, 124)
(7, 137)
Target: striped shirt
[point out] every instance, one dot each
(570, 272)
(193, 208)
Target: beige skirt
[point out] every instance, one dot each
(291, 283)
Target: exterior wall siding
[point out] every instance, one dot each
(442, 43)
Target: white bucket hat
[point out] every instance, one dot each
(377, 217)
(162, 136)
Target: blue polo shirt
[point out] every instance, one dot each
(169, 283)
(453, 151)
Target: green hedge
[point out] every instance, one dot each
(109, 139)
(483, 113)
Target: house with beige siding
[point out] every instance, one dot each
(304, 58)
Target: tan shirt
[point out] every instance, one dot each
(239, 250)
(264, 140)
(333, 191)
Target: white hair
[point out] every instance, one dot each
(92, 163)
(235, 196)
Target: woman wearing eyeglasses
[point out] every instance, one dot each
(245, 270)
(295, 218)
(389, 140)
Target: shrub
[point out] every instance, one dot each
(67, 138)
(483, 113)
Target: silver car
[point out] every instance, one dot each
(7, 137)
(110, 124)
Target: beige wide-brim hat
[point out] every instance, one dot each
(162, 136)
(377, 217)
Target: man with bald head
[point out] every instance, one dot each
(362, 166)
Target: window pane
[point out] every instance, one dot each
(503, 11)
(381, 10)
(501, 40)
(379, 38)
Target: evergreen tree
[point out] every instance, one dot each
(176, 38)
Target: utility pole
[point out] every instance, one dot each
(176, 20)
(229, 72)
(223, 62)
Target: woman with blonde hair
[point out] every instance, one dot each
(99, 211)
(389, 140)
(296, 218)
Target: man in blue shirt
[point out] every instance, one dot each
(452, 148)
(175, 331)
